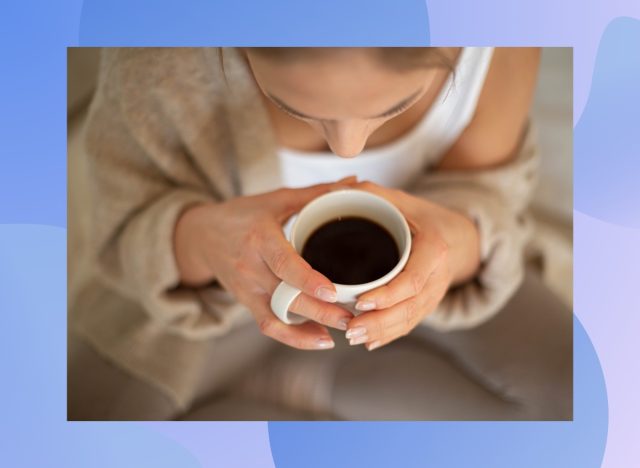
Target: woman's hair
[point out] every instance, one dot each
(399, 58)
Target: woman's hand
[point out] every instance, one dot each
(240, 243)
(445, 251)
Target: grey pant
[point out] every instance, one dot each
(517, 366)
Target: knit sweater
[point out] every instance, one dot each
(169, 128)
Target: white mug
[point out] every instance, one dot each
(331, 206)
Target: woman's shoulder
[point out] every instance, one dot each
(138, 72)
(524, 59)
(502, 111)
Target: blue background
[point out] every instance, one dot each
(33, 427)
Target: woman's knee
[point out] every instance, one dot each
(541, 352)
(523, 356)
(97, 390)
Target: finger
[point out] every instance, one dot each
(307, 306)
(319, 311)
(380, 343)
(309, 335)
(401, 200)
(402, 318)
(263, 280)
(401, 328)
(426, 255)
(289, 200)
(394, 332)
(352, 179)
(291, 268)
(390, 194)
(322, 312)
(381, 325)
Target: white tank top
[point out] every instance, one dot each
(396, 164)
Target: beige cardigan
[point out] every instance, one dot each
(169, 128)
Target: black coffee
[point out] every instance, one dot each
(351, 250)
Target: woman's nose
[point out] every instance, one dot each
(346, 138)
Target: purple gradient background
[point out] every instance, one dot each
(33, 180)
(607, 268)
(573, 23)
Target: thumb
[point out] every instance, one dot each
(293, 200)
(352, 179)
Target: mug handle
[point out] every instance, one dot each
(281, 300)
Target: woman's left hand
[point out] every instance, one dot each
(444, 252)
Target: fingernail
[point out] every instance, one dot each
(326, 294)
(373, 345)
(358, 340)
(355, 332)
(343, 323)
(325, 343)
(365, 305)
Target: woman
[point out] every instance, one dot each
(189, 151)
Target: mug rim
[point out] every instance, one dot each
(404, 257)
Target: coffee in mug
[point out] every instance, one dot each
(359, 240)
(351, 250)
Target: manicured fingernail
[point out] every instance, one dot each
(355, 332)
(365, 305)
(325, 343)
(343, 323)
(326, 294)
(358, 340)
(373, 345)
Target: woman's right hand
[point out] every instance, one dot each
(240, 243)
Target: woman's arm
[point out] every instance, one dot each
(493, 136)
(466, 217)
(140, 184)
(495, 132)
(164, 228)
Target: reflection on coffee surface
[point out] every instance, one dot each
(351, 250)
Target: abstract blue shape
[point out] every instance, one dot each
(579, 443)
(33, 431)
(246, 23)
(33, 114)
(33, 361)
(607, 268)
(607, 136)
